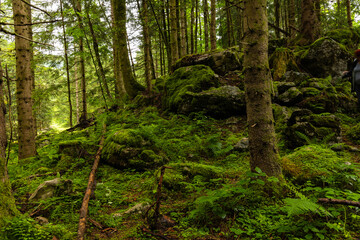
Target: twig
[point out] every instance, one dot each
(17, 35)
(90, 186)
(96, 224)
(145, 230)
(339, 201)
(36, 8)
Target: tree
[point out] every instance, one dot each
(213, 25)
(348, 13)
(130, 85)
(173, 33)
(206, 24)
(24, 79)
(310, 25)
(262, 138)
(7, 201)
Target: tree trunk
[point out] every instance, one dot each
(173, 33)
(192, 22)
(66, 65)
(183, 28)
(348, 13)
(146, 34)
(277, 18)
(206, 24)
(196, 26)
(292, 21)
(310, 25)
(24, 80)
(213, 25)
(131, 86)
(262, 138)
(228, 23)
(7, 201)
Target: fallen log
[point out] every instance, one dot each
(90, 187)
(339, 201)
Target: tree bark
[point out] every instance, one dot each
(310, 25)
(24, 80)
(206, 24)
(348, 13)
(66, 65)
(7, 201)
(131, 86)
(213, 25)
(173, 33)
(292, 19)
(277, 18)
(146, 35)
(262, 138)
(183, 28)
(192, 22)
(196, 26)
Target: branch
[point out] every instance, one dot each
(281, 30)
(339, 201)
(36, 8)
(17, 35)
(29, 24)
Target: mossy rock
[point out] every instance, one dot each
(290, 97)
(220, 62)
(191, 79)
(74, 148)
(281, 61)
(311, 162)
(295, 77)
(346, 36)
(220, 103)
(354, 134)
(126, 148)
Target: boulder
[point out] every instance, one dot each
(325, 57)
(220, 103)
(52, 188)
(185, 80)
(220, 62)
(242, 145)
(290, 97)
(126, 148)
(281, 61)
(305, 127)
(295, 77)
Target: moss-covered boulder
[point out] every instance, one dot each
(305, 127)
(126, 148)
(52, 188)
(281, 61)
(325, 57)
(185, 80)
(295, 77)
(220, 103)
(313, 162)
(220, 62)
(354, 134)
(347, 37)
(290, 97)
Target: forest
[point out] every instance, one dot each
(179, 119)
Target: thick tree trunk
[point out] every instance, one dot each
(131, 86)
(24, 80)
(292, 19)
(213, 25)
(262, 139)
(66, 65)
(7, 201)
(173, 33)
(310, 25)
(348, 13)
(206, 24)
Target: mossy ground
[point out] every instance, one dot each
(208, 190)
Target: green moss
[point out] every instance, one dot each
(281, 61)
(188, 79)
(347, 37)
(354, 134)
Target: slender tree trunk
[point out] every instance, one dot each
(192, 22)
(206, 24)
(173, 33)
(262, 138)
(178, 27)
(77, 91)
(292, 19)
(348, 13)
(131, 86)
(24, 80)
(66, 65)
(213, 25)
(277, 18)
(228, 23)
(310, 25)
(146, 34)
(196, 26)
(183, 28)
(7, 203)
(97, 56)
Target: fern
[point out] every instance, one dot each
(296, 207)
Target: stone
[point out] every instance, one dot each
(325, 57)
(242, 145)
(290, 97)
(295, 77)
(139, 208)
(42, 220)
(52, 188)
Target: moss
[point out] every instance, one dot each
(188, 79)
(354, 134)
(347, 37)
(281, 61)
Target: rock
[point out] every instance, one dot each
(126, 148)
(325, 57)
(220, 103)
(242, 145)
(305, 127)
(42, 220)
(52, 188)
(220, 62)
(346, 36)
(295, 77)
(281, 61)
(191, 79)
(284, 86)
(137, 209)
(289, 97)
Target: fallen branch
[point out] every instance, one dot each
(90, 186)
(339, 201)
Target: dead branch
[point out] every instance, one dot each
(156, 235)
(339, 201)
(17, 35)
(29, 24)
(96, 224)
(90, 186)
(36, 8)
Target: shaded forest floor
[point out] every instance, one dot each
(207, 193)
